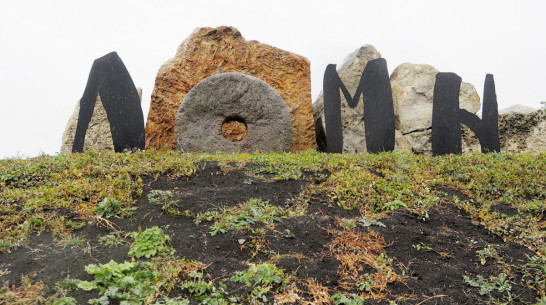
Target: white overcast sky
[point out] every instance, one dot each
(47, 47)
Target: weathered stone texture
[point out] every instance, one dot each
(412, 90)
(234, 130)
(202, 114)
(517, 109)
(519, 131)
(98, 136)
(211, 51)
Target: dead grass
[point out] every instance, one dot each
(358, 254)
(27, 293)
(318, 294)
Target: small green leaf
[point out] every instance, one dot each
(87, 286)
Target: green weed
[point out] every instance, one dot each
(262, 274)
(263, 278)
(129, 282)
(366, 222)
(65, 301)
(216, 229)
(165, 199)
(394, 205)
(365, 285)
(206, 292)
(74, 241)
(499, 284)
(150, 243)
(486, 253)
(342, 299)
(348, 223)
(243, 216)
(67, 284)
(169, 301)
(6, 246)
(115, 238)
(534, 274)
(109, 208)
(421, 246)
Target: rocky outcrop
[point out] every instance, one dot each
(211, 51)
(517, 109)
(520, 130)
(412, 89)
(354, 139)
(98, 136)
(233, 112)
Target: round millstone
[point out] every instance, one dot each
(233, 112)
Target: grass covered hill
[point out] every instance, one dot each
(164, 227)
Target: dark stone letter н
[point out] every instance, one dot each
(110, 79)
(447, 117)
(378, 107)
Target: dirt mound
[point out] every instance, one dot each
(323, 250)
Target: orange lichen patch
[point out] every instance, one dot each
(211, 51)
(318, 294)
(234, 130)
(364, 264)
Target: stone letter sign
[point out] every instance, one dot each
(110, 80)
(378, 107)
(447, 117)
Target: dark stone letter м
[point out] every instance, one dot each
(110, 79)
(447, 117)
(378, 107)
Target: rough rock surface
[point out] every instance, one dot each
(221, 97)
(234, 130)
(354, 139)
(517, 109)
(98, 136)
(412, 89)
(518, 132)
(211, 51)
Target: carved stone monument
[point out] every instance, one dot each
(209, 51)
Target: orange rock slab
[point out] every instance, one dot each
(210, 51)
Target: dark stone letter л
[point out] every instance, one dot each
(110, 79)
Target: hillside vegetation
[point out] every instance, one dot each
(164, 227)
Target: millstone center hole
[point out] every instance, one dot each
(234, 129)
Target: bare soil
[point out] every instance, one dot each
(449, 240)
